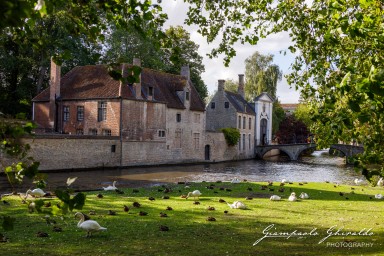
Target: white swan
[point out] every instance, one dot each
(37, 192)
(235, 180)
(88, 225)
(292, 197)
(109, 188)
(304, 195)
(284, 181)
(379, 196)
(237, 205)
(275, 198)
(358, 181)
(195, 193)
(380, 182)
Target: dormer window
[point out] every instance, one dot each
(150, 91)
(186, 95)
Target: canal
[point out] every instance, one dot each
(318, 167)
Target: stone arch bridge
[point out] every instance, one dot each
(347, 150)
(292, 150)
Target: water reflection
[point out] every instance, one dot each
(317, 167)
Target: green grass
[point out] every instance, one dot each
(189, 231)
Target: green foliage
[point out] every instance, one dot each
(339, 65)
(261, 75)
(278, 115)
(303, 113)
(68, 203)
(231, 85)
(231, 135)
(8, 223)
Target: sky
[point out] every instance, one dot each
(215, 68)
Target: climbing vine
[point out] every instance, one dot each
(232, 135)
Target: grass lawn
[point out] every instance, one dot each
(190, 233)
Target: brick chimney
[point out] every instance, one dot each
(220, 88)
(137, 86)
(240, 89)
(185, 72)
(54, 91)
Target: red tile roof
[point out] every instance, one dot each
(94, 82)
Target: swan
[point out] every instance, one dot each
(292, 197)
(379, 196)
(275, 198)
(195, 193)
(304, 195)
(109, 188)
(358, 181)
(237, 205)
(88, 225)
(235, 180)
(284, 181)
(380, 182)
(37, 192)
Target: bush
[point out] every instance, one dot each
(232, 135)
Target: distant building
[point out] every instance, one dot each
(289, 108)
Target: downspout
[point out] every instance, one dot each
(121, 116)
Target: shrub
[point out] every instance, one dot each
(232, 135)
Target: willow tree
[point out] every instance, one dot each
(261, 75)
(339, 65)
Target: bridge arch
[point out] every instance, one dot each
(292, 150)
(348, 150)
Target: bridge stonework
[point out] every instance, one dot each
(292, 150)
(347, 150)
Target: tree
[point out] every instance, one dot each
(302, 113)
(278, 115)
(231, 85)
(261, 75)
(180, 50)
(339, 64)
(291, 131)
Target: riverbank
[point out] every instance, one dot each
(204, 228)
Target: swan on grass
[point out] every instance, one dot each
(37, 192)
(235, 180)
(88, 225)
(292, 197)
(275, 198)
(379, 196)
(237, 205)
(109, 188)
(358, 181)
(380, 183)
(194, 194)
(304, 195)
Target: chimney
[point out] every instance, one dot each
(220, 88)
(54, 91)
(185, 72)
(137, 86)
(240, 89)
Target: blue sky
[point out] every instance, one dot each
(215, 69)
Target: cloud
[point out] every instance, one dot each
(215, 69)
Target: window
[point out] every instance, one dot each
(178, 117)
(102, 111)
(113, 148)
(92, 131)
(240, 143)
(161, 133)
(263, 107)
(196, 118)
(226, 104)
(213, 105)
(66, 113)
(249, 140)
(243, 141)
(239, 125)
(79, 131)
(244, 122)
(250, 123)
(150, 91)
(106, 132)
(187, 95)
(80, 113)
(196, 140)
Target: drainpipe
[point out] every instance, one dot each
(121, 133)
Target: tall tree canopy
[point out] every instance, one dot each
(339, 64)
(261, 75)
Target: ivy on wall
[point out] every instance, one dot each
(232, 135)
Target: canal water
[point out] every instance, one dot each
(318, 167)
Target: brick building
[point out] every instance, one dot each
(87, 101)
